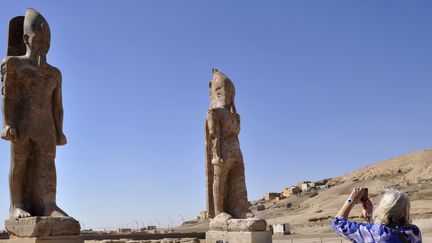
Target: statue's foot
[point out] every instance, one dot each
(55, 211)
(18, 213)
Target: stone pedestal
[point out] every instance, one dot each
(42, 227)
(238, 237)
(52, 239)
(43, 230)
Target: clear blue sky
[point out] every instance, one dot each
(323, 88)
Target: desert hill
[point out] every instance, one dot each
(411, 172)
(312, 211)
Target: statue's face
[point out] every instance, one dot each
(222, 93)
(38, 42)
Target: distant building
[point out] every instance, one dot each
(281, 229)
(202, 215)
(125, 230)
(290, 191)
(271, 196)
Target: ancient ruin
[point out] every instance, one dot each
(226, 186)
(227, 202)
(33, 122)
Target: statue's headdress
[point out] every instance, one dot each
(218, 76)
(33, 23)
(221, 79)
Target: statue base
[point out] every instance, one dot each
(225, 222)
(52, 239)
(238, 237)
(35, 227)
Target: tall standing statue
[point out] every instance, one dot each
(32, 118)
(227, 203)
(226, 186)
(32, 121)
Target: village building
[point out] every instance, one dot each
(290, 191)
(271, 196)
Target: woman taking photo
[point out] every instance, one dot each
(391, 219)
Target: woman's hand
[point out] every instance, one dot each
(355, 197)
(357, 194)
(367, 209)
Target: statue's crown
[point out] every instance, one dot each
(35, 23)
(218, 76)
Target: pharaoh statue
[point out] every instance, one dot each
(226, 186)
(32, 118)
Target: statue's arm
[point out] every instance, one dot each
(58, 110)
(215, 135)
(8, 131)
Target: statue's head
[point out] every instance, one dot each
(37, 35)
(222, 90)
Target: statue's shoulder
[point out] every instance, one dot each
(10, 63)
(11, 60)
(55, 72)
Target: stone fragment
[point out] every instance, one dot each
(220, 222)
(241, 225)
(260, 208)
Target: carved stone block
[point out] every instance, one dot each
(42, 227)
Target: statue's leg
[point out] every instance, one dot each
(219, 188)
(49, 186)
(237, 201)
(47, 180)
(20, 156)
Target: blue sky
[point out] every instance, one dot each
(323, 88)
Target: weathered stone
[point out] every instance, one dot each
(224, 222)
(225, 178)
(238, 237)
(55, 239)
(252, 224)
(42, 226)
(220, 222)
(260, 208)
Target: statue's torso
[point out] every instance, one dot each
(33, 97)
(229, 128)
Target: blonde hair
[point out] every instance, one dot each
(393, 208)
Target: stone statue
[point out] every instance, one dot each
(226, 186)
(227, 203)
(32, 117)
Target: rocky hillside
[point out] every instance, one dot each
(311, 212)
(411, 172)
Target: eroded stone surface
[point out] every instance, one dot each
(225, 178)
(250, 224)
(220, 222)
(224, 222)
(42, 227)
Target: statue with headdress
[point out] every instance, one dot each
(226, 186)
(32, 120)
(227, 202)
